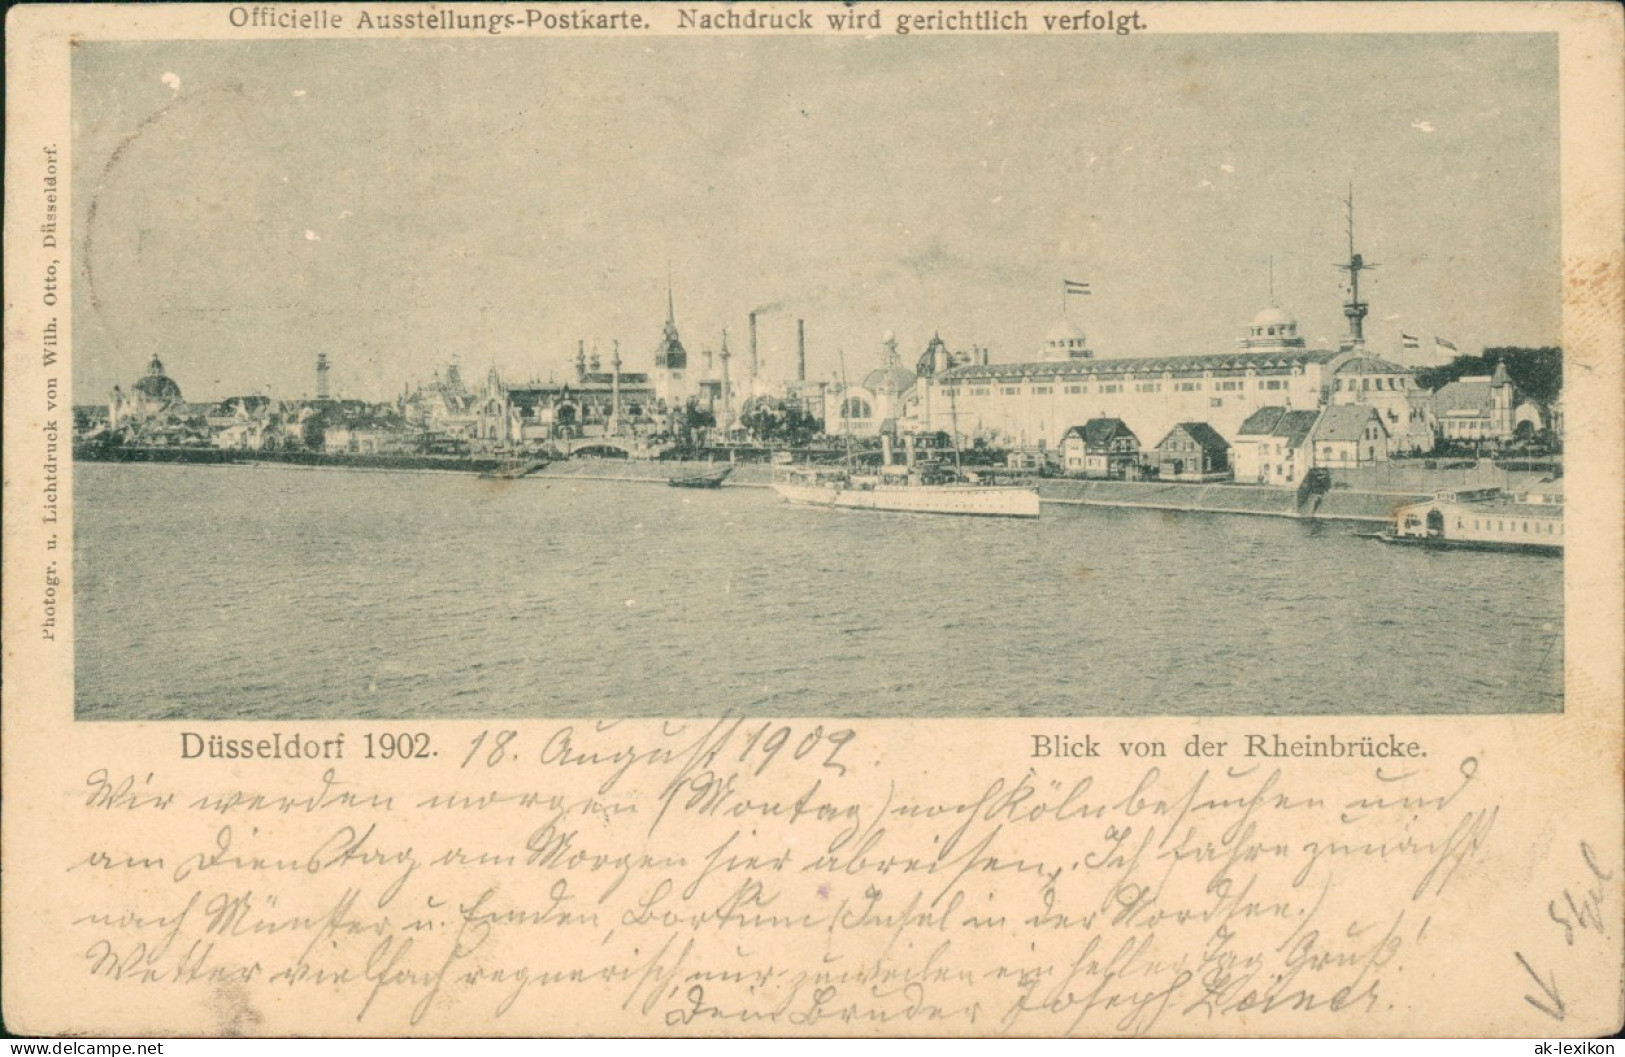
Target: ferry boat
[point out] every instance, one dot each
(1484, 519)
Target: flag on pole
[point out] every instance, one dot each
(1443, 344)
(1411, 341)
(1072, 286)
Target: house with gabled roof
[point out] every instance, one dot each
(1350, 436)
(1477, 408)
(1101, 447)
(1272, 446)
(1192, 451)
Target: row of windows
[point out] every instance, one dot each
(1542, 528)
(1367, 384)
(1231, 386)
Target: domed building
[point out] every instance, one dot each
(893, 379)
(938, 357)
(873, 405)
(151, 394)
(1272, 330)
(1067, 341)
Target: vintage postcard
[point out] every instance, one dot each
(777, 519)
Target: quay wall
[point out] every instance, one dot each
(1365, 506)
(640, 471)
(1212, 498)
(237, 456)
(1338, 504)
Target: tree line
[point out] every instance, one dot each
(1537, 374)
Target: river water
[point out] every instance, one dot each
(282, 593)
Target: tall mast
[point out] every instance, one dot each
(1355, 310)
(846, 419)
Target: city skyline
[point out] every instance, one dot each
(880, 187)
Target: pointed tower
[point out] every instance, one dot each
(671, 360)
(1502, 401)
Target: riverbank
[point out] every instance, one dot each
(637, 471)
(1257, 500)
(333, 460)
(1337, 505)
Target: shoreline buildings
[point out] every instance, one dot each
(1035, 403)
(1266, 411)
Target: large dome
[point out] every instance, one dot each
(892, 377)
(157, 385)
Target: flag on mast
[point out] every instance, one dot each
(1411, 341)
(1443, 344)
(1072, 286)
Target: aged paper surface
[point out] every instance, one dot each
(294, 749)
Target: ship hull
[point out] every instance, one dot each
(960, 500)
(1448, 543)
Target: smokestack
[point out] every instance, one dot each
(727, 390)
(801, 350)
(753, 346)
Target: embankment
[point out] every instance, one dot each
(745, 474)
(1224, 499)
(335, 460)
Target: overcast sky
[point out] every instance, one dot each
(240, 206)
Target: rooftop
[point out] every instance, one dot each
(1228, 362)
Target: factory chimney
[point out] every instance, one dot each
(615, 391)
(753, 349)
(801, 350)
(727, 391)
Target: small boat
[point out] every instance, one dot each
(512, 470)
(711, 479)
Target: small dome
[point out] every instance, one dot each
(894, 378)
(1066, 332)
(1272, 316)
(1369, 365)
(926, 365)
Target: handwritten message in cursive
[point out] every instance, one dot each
(729, 876)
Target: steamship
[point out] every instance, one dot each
(912, 487)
